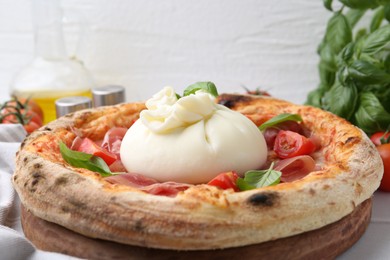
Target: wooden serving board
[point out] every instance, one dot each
(323, 243)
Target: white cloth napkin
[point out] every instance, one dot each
(13, 244)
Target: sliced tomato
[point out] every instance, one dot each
(289, 144)
(378, 137)
(225, 180)
(90, 147)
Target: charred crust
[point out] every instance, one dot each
(23, 143)
(77, 204)
(138, 226)
(37, 175)
(230, 101)
(65, 209)
(25, 160)
(61, 181)
(263, 199)
(47, 129)
(352, 140)
(37, 166)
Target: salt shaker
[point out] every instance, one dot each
(68, 105)
(108, 95)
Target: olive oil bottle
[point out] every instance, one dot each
(51, 74)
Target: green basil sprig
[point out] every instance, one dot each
(257, 179)
(354, 66)
(84, 160)
(280, 119)
(207, 86)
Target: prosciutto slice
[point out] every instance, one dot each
(148, 185)
(113, 139)
(295, 168)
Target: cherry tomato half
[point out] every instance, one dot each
(289, 144)
(384, 151)
(225, 180)
(90, 147)
(376, 138)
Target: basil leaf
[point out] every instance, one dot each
(341, 100)
(371, 116)
(84, 160)
(368, 73)
(328, 58)
(346, 54)
(328, 4)
(338, 32)
(354, 15)
(387, 12)
(314, 98)
(208, 87)
(257, 179)
(377, 19)
(376, 41)
(327, 76)
(360, 4)
(280, 119)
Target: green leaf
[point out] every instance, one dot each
(371, 116)
(368, 73)
(341, 100)
(257, 179)
(328, 4)
(377, 19)
(387, 12)
(327, 76)
(280, 119)
(338, 32)
(347, 53)
(376, 41)
(354, 15)
(84, 160)
(386, 62)
(208, 87)
(360, 34)
(360, 4)
(314, 98)
(328, 58)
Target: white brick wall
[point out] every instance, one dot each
(147, 44)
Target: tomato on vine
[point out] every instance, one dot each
(22, 111)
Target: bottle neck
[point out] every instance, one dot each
(48, 33)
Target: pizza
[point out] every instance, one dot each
(338, 172)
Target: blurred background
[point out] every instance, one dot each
(145, 45)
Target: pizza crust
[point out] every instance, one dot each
(202, 217)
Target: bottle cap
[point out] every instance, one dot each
(68, 105)
(108, 95)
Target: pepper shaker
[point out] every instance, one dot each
(108, 95)
(68, 105)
